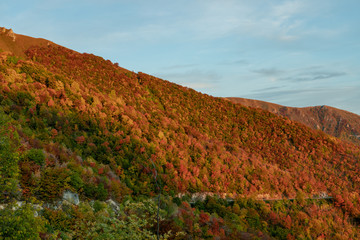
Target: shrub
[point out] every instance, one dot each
(53, 182)
(23, 98)
(9, 170)
(20, 223)
(76, 181)
(133, 222)
(98, 192)
(101, 192)
(36, 155)
(12, 59)
(98, 206)
(58, 219)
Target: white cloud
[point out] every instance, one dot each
(287, 9)
(201, 20)
(344, 97)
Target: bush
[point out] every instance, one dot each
(76, 181)
(134, 222)
(96, 192)
(98, 206)
(58, 219)
(9, 170)
(12, 59)
(20, 223)
(23, 98)
(53, 182)
(36, 155)
(101, 192)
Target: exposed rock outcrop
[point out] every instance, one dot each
(8, 32)
(71, 197)
(18, 44)
(114, 205)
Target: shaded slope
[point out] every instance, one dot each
(336, 122)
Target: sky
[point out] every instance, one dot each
(292, 52)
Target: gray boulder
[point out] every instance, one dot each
(71, 197)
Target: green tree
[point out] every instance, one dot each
(36, 155)
(9, 170)
(133, 221)
(21, 223)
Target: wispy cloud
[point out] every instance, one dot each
(216, 19)
(313, 76)
(224, 18)
(307, 74)
(344, 97)
(269, 72)
(268, 89)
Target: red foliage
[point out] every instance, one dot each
(204, 218)
(80, 139)
(274, 218)
(205, 143)
(339, 201)
(54, 132)
(287, 222)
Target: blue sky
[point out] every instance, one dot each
(295, 53)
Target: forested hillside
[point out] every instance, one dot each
(76, 122)
(336, 122)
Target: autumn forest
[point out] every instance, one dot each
(73, 122)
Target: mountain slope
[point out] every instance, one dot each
(182, 120)
(336, 122)
(101, 129)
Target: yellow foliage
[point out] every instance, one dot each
(120, 101)
(127, 120)
(75, 87)
(96, 101)
(112, 94)
(59, 85)
(161, 135)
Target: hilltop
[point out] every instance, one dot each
(75, 122)
(17, 43)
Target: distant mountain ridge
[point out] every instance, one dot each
(336, 122)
